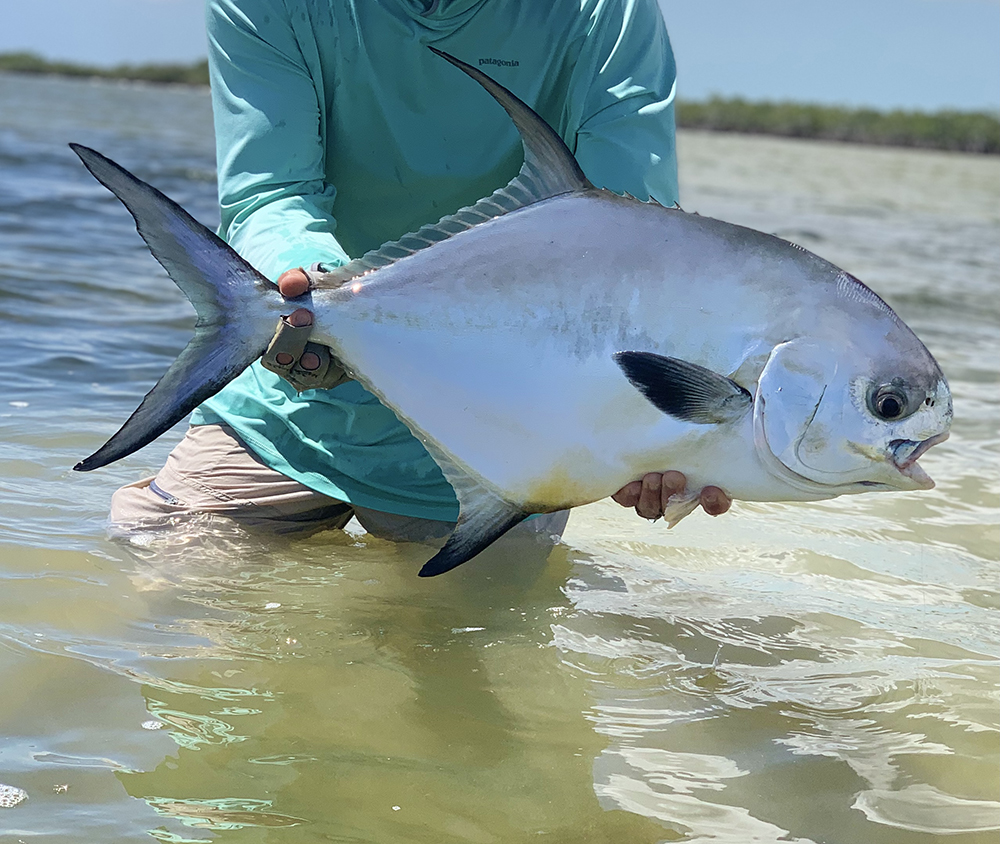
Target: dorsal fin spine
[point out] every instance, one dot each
(549, 170)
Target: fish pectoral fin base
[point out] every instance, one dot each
(224, 290)
(686, 391)
(482, 522)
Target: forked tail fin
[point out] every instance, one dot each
(237, 308)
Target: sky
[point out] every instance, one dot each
(913, 54)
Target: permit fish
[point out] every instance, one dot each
(555, 341)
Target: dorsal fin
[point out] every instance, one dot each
(549, 169)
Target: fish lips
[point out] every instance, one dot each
(903, 454)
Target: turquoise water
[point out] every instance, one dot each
(810, 673)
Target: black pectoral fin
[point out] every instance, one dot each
(477, 529)
(685, 390)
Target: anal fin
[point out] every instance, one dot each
(482, 522)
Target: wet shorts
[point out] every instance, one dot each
(212, 471)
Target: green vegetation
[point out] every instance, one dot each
(191, 74)
(950, 130)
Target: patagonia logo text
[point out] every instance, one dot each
(500, 62)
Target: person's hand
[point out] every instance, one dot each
(304, 365)
(651, 495)
(294, 283)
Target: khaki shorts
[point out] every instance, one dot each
(212, 471)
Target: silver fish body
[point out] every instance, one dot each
(499, 345)
(556, 341)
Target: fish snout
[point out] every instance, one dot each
(903, 454)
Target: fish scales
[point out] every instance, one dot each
(500, 357)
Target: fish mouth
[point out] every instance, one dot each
(903, 454)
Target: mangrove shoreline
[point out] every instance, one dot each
(959, 131)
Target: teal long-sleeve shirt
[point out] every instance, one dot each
(337, 130)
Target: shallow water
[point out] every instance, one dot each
(810, 673)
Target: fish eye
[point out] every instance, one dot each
(888, 402)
